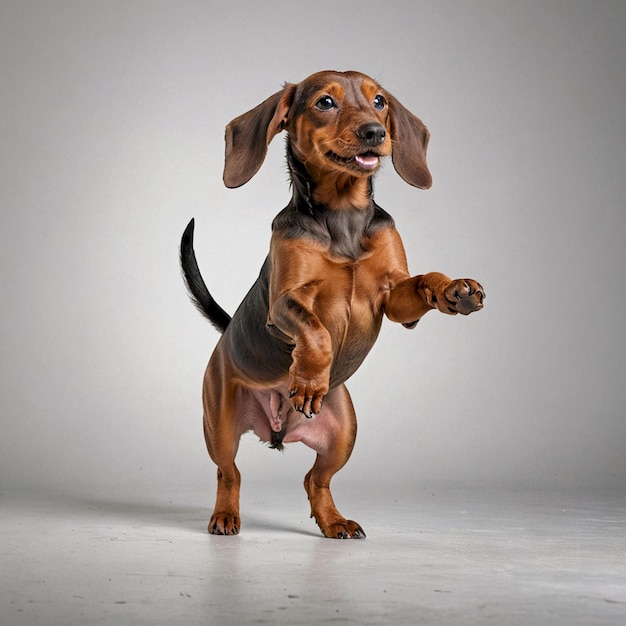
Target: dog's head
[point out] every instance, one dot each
(339, 123)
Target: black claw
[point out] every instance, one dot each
(292, 393)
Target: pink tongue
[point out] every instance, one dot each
(367, 161)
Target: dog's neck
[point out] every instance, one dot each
(338, 191)
(344, 231)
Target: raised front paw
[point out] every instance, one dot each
(309, 377)
(463, 296)
(307, 395)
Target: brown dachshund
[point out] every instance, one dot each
(336, 265)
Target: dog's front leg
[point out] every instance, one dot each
(411, 298)
(312, 355)
(297, 275)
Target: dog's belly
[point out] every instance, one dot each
(268, 360)
(263, 354)
(269, 414)
(352, 340)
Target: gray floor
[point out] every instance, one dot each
(432, 556)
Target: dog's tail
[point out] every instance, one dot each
(198, 291)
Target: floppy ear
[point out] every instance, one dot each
(248, 136)
(409, 139)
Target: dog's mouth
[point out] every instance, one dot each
(367, 161)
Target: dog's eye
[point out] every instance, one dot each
(325, 103)
(379, 102)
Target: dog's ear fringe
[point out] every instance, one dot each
(410, 138)
(248, 136)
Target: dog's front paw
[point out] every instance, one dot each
(463, 296)
(307, 395)
(309, 374)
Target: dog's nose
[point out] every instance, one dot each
(373, 134)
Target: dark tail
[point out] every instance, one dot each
(198, 291)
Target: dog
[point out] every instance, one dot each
(336, 266)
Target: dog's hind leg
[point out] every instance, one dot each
(225, 519)
(222, 431)
(331, 434)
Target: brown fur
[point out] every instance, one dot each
(336, 266)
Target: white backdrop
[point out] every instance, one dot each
(112, 118)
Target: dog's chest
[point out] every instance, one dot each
(349, 305)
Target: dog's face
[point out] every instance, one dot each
(340, 123)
